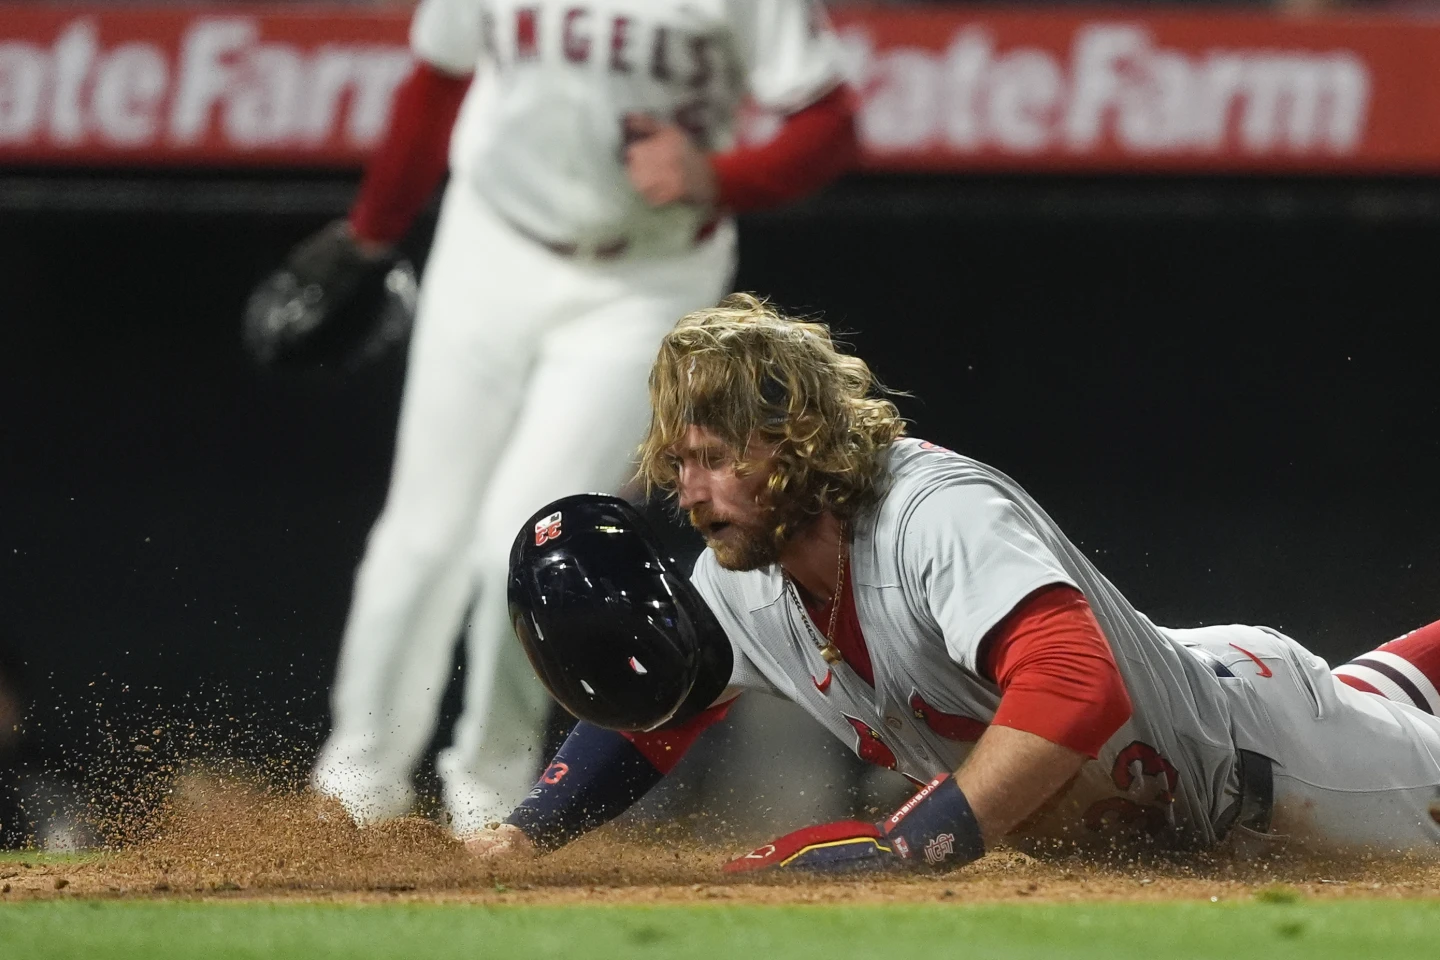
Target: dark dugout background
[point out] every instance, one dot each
(1225, 391)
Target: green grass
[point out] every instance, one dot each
(1352, 930)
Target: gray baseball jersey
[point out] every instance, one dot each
(951, 548)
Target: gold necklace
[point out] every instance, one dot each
(828, 650)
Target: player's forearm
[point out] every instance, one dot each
(1009, 774)
(597, 775)
(815, 146)
(410, 162)
(950, 821)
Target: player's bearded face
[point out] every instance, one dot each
(739, 544)
(733, 511)
(749, 539)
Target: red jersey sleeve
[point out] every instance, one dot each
(814, 146)
(1056, 674)
(410, 162)
(664, 748)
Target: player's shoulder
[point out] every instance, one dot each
(931, 487)
(447, 33)
(915, 468)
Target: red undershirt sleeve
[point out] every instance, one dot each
(1056, 674)
(664, 748)
(814, 146)
(409, 163)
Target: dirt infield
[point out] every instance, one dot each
(227, 841)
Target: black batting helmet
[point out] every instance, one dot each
(616, 633)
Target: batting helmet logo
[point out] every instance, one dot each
(547, 529)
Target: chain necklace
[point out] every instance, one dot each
(827, 647)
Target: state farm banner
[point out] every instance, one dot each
(949, 89)
(1215, 92)
(122, 85)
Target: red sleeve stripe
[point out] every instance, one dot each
(664, 748)
(408, 165)
(814, 146)
(1056, 674)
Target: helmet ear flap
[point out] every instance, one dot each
(616, 635)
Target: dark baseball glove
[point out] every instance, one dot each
(331, 305)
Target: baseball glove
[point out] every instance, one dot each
(331, 305)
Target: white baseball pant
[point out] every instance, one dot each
(1354, 772)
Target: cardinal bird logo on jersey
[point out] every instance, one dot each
(871, 748)
(547, 529)
(1149, 782)
(951, 726)
(1140, 760)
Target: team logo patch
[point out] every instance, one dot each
(547, 529)
(940, 848)
(901, 847)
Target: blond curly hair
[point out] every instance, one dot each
(749, 373)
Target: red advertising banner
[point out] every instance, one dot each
(1214, 92)
(948, 89)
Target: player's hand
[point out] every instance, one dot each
(665, 165)
(503, 842)
(841, 846)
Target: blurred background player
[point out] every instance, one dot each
(593, 171)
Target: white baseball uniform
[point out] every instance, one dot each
(950, 550)
(548, 288)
